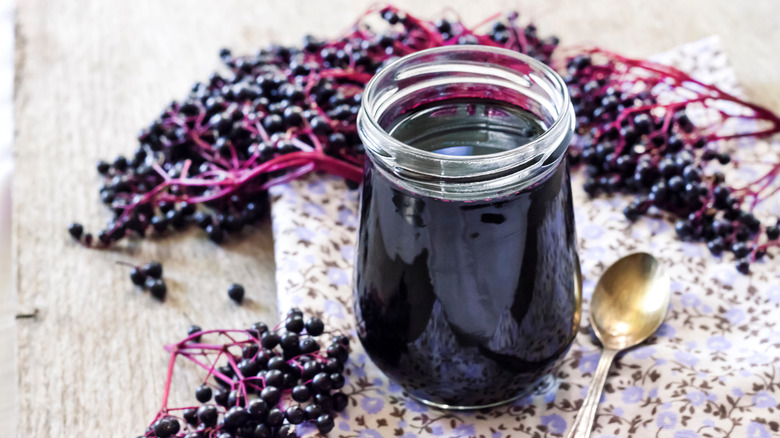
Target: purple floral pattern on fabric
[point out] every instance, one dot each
(712, 369)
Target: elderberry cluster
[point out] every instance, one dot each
(660, 158)
(149, 276)
(209, 158)
(281, 379)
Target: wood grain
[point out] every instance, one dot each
(91, 73)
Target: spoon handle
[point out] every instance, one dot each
(584, 422)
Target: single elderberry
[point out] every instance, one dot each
(743, 265)
(203, 394)
(271, 395)
(208, 415)
(314, 326)
(153, 269)
(76, 230)
(275, 417)
(301, 393)
(137, 276)
(325, 423)
(313, 411)
(157, 288)
(236, 292)
(340, 401)
(257, 409)
(166, 427)
(191, 330)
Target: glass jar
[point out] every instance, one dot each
(467, 280)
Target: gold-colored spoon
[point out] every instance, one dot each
(628, 305)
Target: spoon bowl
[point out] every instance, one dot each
(629, 302)
(628, 305)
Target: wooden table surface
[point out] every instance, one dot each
(91, 73)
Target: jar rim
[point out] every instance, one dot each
(380, 91)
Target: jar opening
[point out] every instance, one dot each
(462, 78)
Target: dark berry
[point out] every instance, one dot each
(137, 276)
(215, 233)
(750, 221)
(235, 417)
(278, 363)
(301, 393)
(259, 328)
(740, 249)
(294, 312)
(722, 227)
(190, 416)
(340, 401)
(289, 342)
(191, 330)
(261, 431)
(203, 393)
(275, 417)
(772, 232)
(287, 431)
(322, 382)
(294, 324)
(336, 350)
(208, 415)
(175, 218)
(249, 351)
(692, 173)
(325, 423)
(202, 219)
(236, 398)
(159, 223)
(274, 378)
(103, 167)
(674, 144)
(342, 340)
(683, 229)
(333, 365)
(269, 340)
(257, 409)
(236, 293)
(271, 395)
(716, 246)
(310, 369)
(313, 411)
(165, 427)
(295, 415)
(153, 269)
(221, 396)
(337, 381)
(314, 326)
(743, 265)
(120, 163)
(76, 230)
(631, 212)
(308, 345)
(157, 288)
(325, 400)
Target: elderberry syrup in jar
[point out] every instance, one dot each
(467, 284)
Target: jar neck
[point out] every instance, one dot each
(470, 72)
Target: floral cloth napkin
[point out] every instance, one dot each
(712, 369)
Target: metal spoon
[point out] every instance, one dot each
(628, 305)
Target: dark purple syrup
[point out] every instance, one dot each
(467, 303)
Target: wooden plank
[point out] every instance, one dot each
(91, 73)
